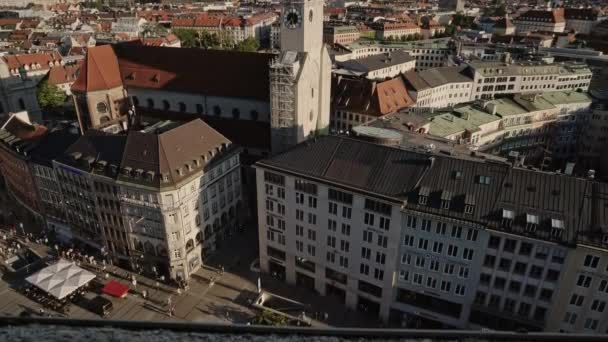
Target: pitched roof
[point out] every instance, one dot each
(245, 133)
(23, 130)
(491, 187)
(352, 163)
(99, 71)
(157, 156)
(53, 145)
(210, 72)
(64, 74)
(44, 59)
(376, 62)
(552, 16)
(589, 14)
(375, 98)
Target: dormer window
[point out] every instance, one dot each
(126, 171)
(485, 180)
(423, 195)
(165, 177)
(507, 217)
(189, 167)
(469, 204)
(150, 175)
(557, 228)
(531, 223)
(446, 198)
(139, 173)
(179, 171)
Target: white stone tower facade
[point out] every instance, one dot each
(300, 77)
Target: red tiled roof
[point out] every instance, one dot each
(64, 74)
(23, 130)
(370, 97)
(219, 20)
(9, 21)
(99, 70)
(553, 16)
(44, 59)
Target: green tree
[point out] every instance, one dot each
(248, 45)
(50, 97)
(267, 317)
(188, 37)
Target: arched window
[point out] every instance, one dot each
(217, 110)
(189, 245)
(102, 107)
(198, 220)
(182, 107)
(135, 101)
(236, 113)
(199, 108)
(166, 105)
(21, 104)
(254, 115)
(150, 103)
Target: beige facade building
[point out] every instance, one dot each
(153, 200)
(546, 20)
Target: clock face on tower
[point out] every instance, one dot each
(292, 18)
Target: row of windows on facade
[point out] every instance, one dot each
(183, 108)
(441, 228)
(511, 306)
(558, 256)
(426, 262)
(432, 282)
(590, 323)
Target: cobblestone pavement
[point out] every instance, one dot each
(211, 297)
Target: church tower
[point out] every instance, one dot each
(300, 77)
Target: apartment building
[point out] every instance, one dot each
(340, 34)
(439, 87)
(546, 20)
(593, 136)
(429, 53)
(232, 29)
(53, 144)
(581, 20)
(388, 30)
(153, 200)
(432, 239)
(495, 78)
(19, 136)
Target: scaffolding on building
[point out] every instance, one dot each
(282, 96)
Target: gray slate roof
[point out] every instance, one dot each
(490, 185)
(376, 62)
